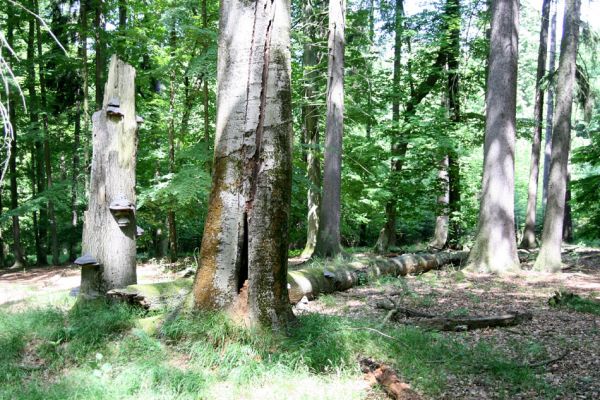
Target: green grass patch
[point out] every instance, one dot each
(571, 301)
(98, 351)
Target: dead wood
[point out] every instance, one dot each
(388, 378)
(441, 323)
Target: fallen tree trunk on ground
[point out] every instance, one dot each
(388, 378)
(440, 323)
(309, 282)
(313, 281)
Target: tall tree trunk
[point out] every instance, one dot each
(310, 113)
(46, 142)
(122, 14)
(550, 103)
(495, 248)
(528, 241)
(171, 212)
(108, 237)
(99, 28)
(387, 235)
(549, 257)
(2, 253)
(568, 220)
(37, 161)
(328, 242)
(12, 163)
(243, 256)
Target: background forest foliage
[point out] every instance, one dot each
(173, 46)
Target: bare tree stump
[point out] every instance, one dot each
(109, 230)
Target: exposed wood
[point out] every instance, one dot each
(388, 378)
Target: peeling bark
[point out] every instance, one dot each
(246, 230)
(113, 175)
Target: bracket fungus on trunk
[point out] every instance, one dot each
(123, 210)
(113, 109)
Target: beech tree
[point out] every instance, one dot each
(243, 258)
(328, 242)
(495, 248)
(549, 258)
(528, 240)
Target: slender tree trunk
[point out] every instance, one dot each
(243, 256)
(37, 171)
(328, 242)
(46, 141)
(387, 236)
(2, 252)
(99, 28)
(495, 248)
(311, 130)
(122, 14)
(205, 99)
(549, 257)
(171, 212)
(528, 241)
(107, 237)
(369, 126)
(12, 163)
(440, 236)
(550, 104)
(568, 221)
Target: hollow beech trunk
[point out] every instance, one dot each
(328, 242)
(549, 257)
(113, 177)
(528, 241)
(495, 248)
(243, 258)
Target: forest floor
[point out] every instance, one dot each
(52, 350)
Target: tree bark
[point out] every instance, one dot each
(113, 177)
(328, 242)
(549, 257)
(440, 236)
(12, 163)
(495, 248)
(243, 257)
(205, 97)
(549, 104)
(387, 235)
(528, 240)
(310, 113)
(568, 220)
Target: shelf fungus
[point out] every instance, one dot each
(113, 108)
(123, 211)
(139, 231)
(86, 260)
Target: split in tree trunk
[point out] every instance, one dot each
(549, 257)
(109, 237)
(246, 231)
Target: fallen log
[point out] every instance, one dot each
(440, 323)
(388, 378)
(313, 281)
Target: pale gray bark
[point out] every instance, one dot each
(328, 237)
(311, 131)
(549, 258)
(440, 236)
(243, 258)
(549, 104)
(495, 248)
(528, 241)
(112, 176)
